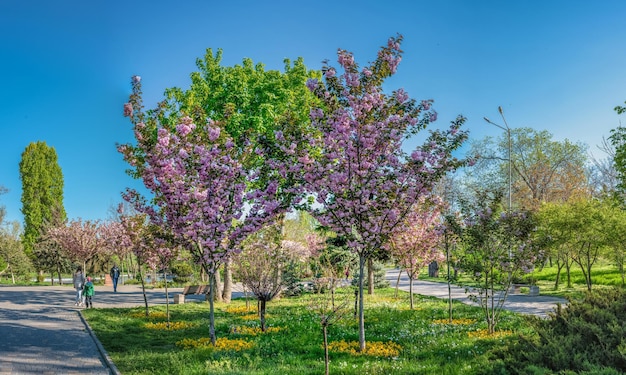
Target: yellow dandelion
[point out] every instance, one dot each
(484, 334)
(374, 349)
(173, 326)
(460, 321)
(222, 343)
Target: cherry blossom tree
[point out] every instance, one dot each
(415, 243)
(364, 182)
(199, 188)
(81, 240)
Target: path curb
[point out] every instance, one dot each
(105, 356)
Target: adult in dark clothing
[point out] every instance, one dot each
(115, 275)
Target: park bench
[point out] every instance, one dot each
(191, 290)
(533, 290)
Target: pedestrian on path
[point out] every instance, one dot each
(89, 293)
(79, 281)
(115, 275)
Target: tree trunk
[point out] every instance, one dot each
(218, 285)
(411, 292)
(326, 359)
(143, 289)
(361, 310)
(262, 314)
(211, 307)
(227, 293)
(559, 266)
(167, 300)
(59, 273)
(52, 278)
(398, 282)
(370, 276)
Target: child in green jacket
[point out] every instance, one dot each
(89, 292)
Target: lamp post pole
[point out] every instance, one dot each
(508, 133)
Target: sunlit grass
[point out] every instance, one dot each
(398, 340)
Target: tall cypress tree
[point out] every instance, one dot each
(42, 190)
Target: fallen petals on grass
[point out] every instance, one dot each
(221, 343)
(173, 326)
(460, 321)
(374, 348)
(253, 331)
(484, 334)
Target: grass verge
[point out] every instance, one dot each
(400, 341)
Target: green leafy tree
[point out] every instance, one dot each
(618, 140)
(555, 231)
(13, 260)
(498, 248)
(582, 230)
(48, 256)
(249, 103)
(42, 190)
(543, 170)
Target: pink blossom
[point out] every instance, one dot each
(128, 109)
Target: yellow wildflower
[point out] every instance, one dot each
(221, 343)
(375, 349)
(172, 326)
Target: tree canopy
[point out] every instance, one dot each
(42, 190)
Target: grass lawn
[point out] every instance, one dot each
(400, 341)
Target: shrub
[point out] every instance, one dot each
(589, 336)
(183, 272)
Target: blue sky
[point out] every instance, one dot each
(65, 68)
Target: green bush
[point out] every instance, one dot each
(588, 337)
(182, 271)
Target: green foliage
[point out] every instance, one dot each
(13, 260)
(182, 271)
(42, 190)
(588, 337)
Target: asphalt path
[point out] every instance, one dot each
(521, 303)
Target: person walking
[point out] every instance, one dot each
(88, 293)
(79, 281)
(115, 275)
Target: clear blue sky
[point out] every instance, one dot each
(65, 68)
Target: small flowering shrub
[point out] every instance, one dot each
(222, 344)
(173, 326)
(460, 321)
(373, 348)
(253, 331)
(484, 334)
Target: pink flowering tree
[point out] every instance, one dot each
(199, 188)
(415, 243)
(81, 240)
(364, 182)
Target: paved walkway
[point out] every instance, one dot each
(42, 332)
(521, 303)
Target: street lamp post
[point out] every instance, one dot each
(508, 133)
